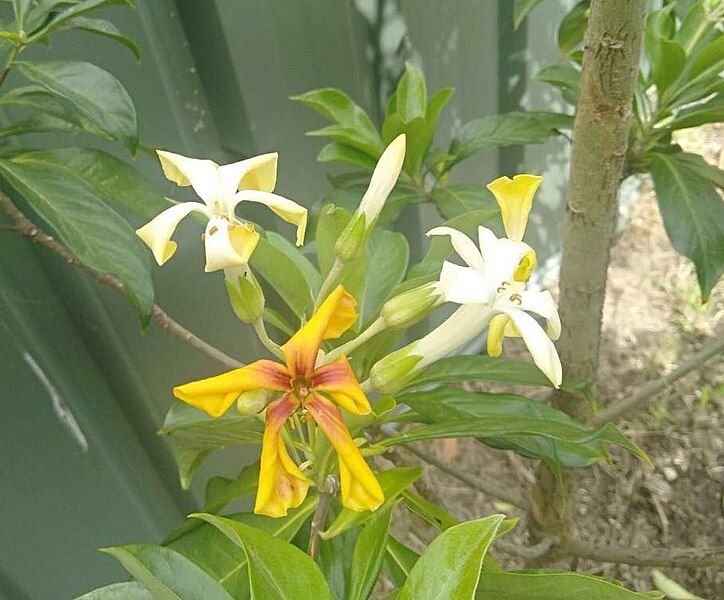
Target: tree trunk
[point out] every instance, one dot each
(600, 139)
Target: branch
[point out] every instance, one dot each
(326, 493)
(477, 483)
(27, 228)
(652, 388)
(643, 557)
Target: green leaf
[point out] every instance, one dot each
(432, 513)
(348, 136)
(693, 215)
(573, 27)
(369, 554)
(393, 482)
(672, 589)
(335, 561)
(114, 180)
(222, 490)
(119, 591)
(303, 264)
(399, 560)
(450, 566)
(699, 114)
(193, 435)
(92, 231)
(455, 200)
(411, 95)
(97, 94)
(695, 26)
(701, 75)
(221, 558)
(702, 168)
(62, 17)
(387, 258)
(550, 586)
(269, 560)
(396, 203)
(419, 138)
(668, 59)
(562, 74)
(167, 574)
(339, 108)
(344, 154)
(436, 104)
(521, 8)
(44, 123)
(106, 29)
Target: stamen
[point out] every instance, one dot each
(213, 230)
(516, 298)
(503, 286)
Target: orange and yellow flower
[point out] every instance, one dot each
(318, 389)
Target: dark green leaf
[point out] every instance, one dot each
(269, 560)
(167, 574)
(92, 231)
(342, 153)
(95, 93)
(450, 566)
(521, 8)
(62, 17)
(45, 123)
(432, 513)
(105, 29)
(668, 59)
(399, 561)
(693, 215)
(369, 554)
(119, 591)
(222, 490)
(573, 27)
(702, 168)
(419, 138)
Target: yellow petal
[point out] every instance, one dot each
(526, 266)
(335, 316)
(515, 198)
(256, 173)
(288, 210)
(157, 233)
(496, 333)
(281, 484)
(201, 174)
(215, 395)
(228, 244)
(359, 486)
(338, 381)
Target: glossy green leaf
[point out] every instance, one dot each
(387, 258)
(97, 94)
(92, 231)
(106, 29)
(521, 8)
(269, 560)
(193, 435)
(550, 586)
(693, 215)
(399, 560)
(672, 589)
(45, 123)
(342, 153)
(411, 94)
(432, 513)
(62, 17)
(450, 566)
(393, 482)
(114, 180)
(369, 554)
(573, 27)
(119, 591)
(167, 574)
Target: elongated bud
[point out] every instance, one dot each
(394, 371)
(252, 401)
(412, 306)
(351, 241)
(245, 295)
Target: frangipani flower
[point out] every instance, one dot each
(228, 241)
(494, 279)
(305, 386)
(515, 198)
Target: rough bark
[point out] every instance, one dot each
(600, 139)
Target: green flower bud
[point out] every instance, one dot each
(351, 241)
(252, 401)
(412, 306)
(246, 297)
(391, 373)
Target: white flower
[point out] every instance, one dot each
(228, 241)
(494, 280)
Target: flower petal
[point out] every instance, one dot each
(338, 381)
(360, 488)
(256, 173)
(496, 333)
(539, 345)
(515, 198)
(228, 244)
(464, 246)
(335, 316)
(383, 180)
(215, 395)
(202, 175)
(157, 233)
(505, 260)
(281, 484)
(542, 304)
(465, 285)
(288, 210)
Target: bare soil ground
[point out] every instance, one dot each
(653, 320)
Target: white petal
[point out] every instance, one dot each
(383, 179)
(464, 285)
(157, 232)
(202, 175)
(228, 244)
(501, 256)
(539, 345)
(464, 246)
(542, 304)
(287, 209)
(256, 173)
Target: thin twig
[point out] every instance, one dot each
(527, 552)
(477, 483)
(652, 388)
(27, 228)
(320, 514)
(644, 557)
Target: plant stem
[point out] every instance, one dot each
(9, 64)
(324, 502)
(329, 282)
(352, 345)
(264, 338)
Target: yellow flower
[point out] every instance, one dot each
(305, 386)
(515, 198)
(228, 241)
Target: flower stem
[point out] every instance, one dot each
(264, 338)
(352, 345)
(331, 279)
(326, 493)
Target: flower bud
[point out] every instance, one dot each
(245, 295)
(252, 401)
(394, 371)
(412, 306)
(351, 241)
